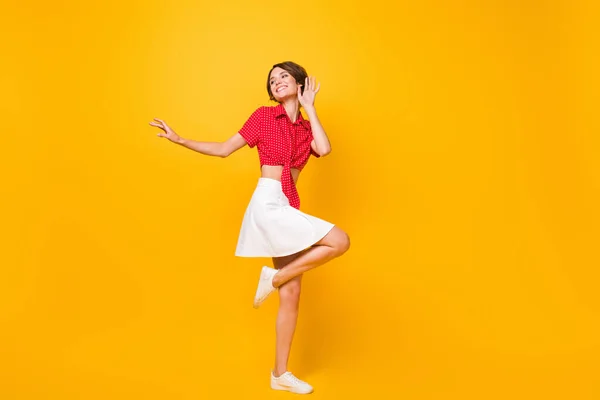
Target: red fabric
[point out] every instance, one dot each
(280, 142)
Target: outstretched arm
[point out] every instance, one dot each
(217, 149)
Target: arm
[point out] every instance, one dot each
(218, 149)
(320, 143)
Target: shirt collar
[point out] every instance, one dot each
(280, 111)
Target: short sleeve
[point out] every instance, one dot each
(251, 129)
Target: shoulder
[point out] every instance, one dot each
(271, 111)
(268, 114)
(259, 110)
(257, 116)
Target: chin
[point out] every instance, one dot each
(282, 99)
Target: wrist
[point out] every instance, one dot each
(310, 109)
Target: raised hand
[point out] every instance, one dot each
(168, 132)
(307, 99)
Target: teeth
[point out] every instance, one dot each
(281, 88)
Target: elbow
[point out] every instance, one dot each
(325, 152)
(223, 151)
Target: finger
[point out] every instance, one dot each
(158, 126)
(318, 86)
(160, 120)
(306, 84)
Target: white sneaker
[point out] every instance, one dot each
(265, 285)
(287, 381)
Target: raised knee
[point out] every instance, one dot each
(343, 243)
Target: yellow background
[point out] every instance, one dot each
(464, 167)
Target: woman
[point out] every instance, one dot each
(273, 225)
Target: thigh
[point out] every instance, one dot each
(293, 285)
(334, 237)
(280, 262)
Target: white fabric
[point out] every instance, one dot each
(273, 228)
(287, 381)
(265, 285)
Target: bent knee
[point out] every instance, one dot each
(343, 243)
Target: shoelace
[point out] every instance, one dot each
(294, 380)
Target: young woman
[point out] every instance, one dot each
(273, 225)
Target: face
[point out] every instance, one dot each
(283, 84)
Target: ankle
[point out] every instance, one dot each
(276, 281)
(278, 372)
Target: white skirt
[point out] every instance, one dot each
(273, 228)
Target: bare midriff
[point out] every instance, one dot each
(274, 172)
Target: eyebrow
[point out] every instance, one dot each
(282, 72)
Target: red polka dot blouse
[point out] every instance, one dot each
(280, 142)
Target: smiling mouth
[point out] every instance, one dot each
(280, 89)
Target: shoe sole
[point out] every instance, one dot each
(257, 303)
(275, 386)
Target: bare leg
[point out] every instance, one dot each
(333, 245)
(289, 298)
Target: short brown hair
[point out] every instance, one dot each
(297, 71)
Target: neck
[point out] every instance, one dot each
(291, 108)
